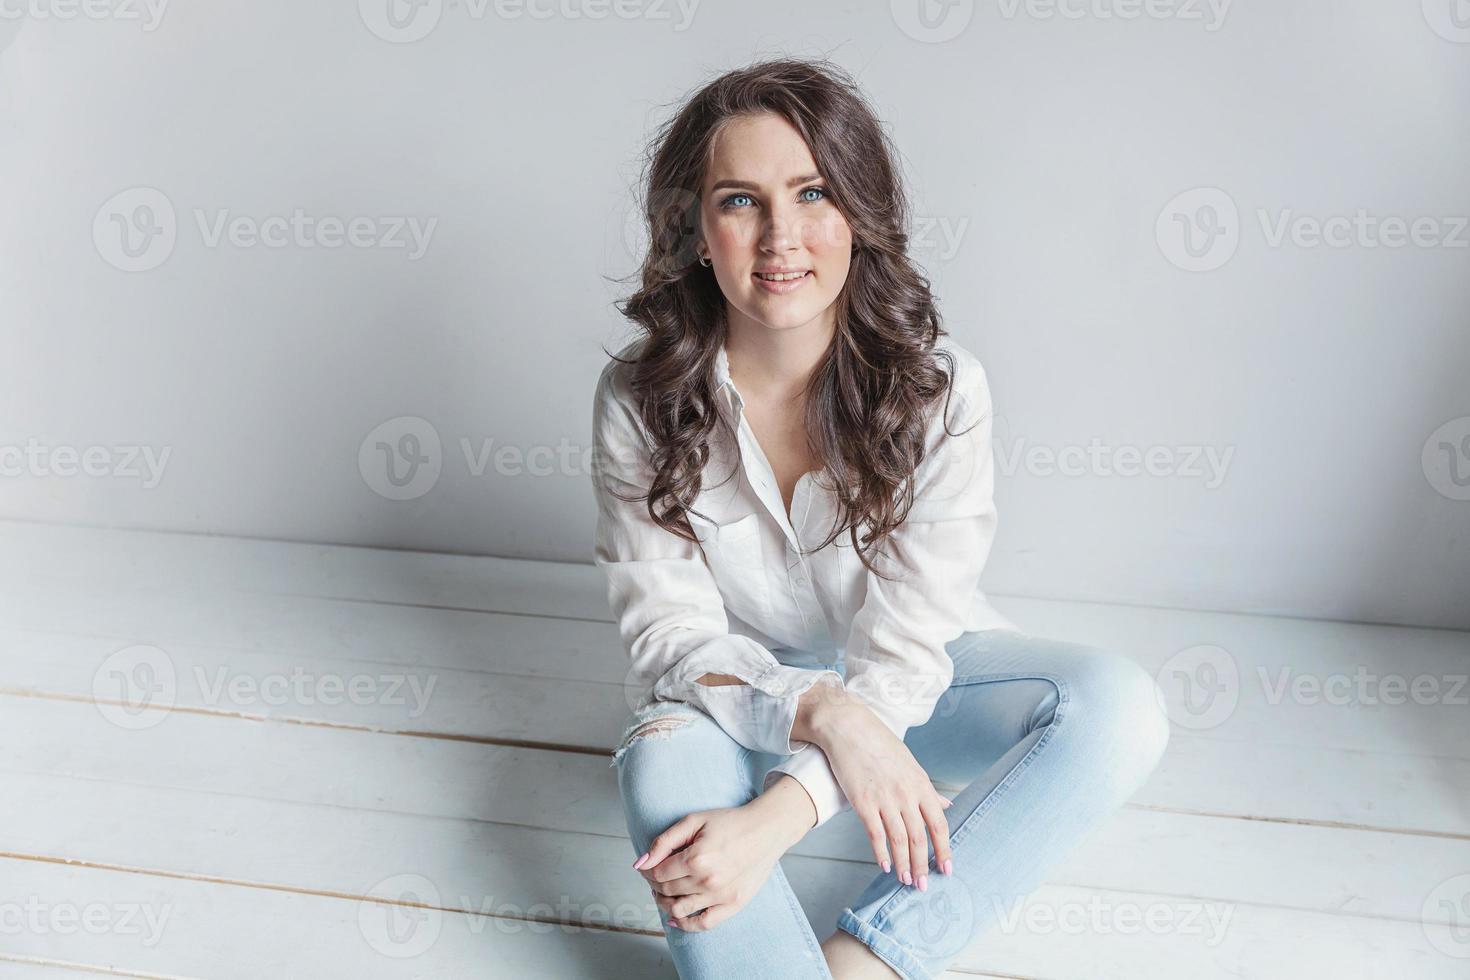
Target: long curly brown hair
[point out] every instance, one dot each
(869, 399)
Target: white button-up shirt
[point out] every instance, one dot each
(721, 605)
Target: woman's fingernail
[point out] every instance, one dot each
(923, 883)
(886, 866)
(905, 877)
(948, 804)
(673, 924)
(639, 863)
(948, 866)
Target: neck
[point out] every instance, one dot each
(767, 363)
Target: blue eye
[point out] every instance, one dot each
(728, 203)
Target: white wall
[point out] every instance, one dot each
(1046, 154)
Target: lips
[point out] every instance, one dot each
(780, 286)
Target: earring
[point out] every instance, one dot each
(705, 261)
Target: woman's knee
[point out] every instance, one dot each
(1123, 703)
(672, 760)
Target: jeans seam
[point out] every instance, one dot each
(800, 914)
(880, 917)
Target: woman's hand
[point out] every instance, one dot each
(717, 860)
(888, 789)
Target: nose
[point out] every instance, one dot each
(781, 232)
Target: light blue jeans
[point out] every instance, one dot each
(1048, 738)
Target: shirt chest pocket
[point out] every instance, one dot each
(734, 553)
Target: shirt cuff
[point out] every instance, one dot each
(760, 713)
(810, 768)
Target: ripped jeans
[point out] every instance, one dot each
(1047, 738)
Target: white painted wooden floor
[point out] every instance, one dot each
(215, 759)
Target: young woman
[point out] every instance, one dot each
(794, 483)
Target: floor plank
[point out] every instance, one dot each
(1327, 831)
(513, 875)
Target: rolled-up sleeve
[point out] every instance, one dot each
(667, 605)
(896, 657)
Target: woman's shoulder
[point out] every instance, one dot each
(970, 397)
(612, 383)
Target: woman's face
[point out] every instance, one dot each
(764, 207)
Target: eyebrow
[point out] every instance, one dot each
(746, 185)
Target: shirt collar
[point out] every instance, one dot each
(725, 385)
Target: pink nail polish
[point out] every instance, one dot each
(673, 924)
(639, 863)
(923, 883)
(948, 867)
(886, 866)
